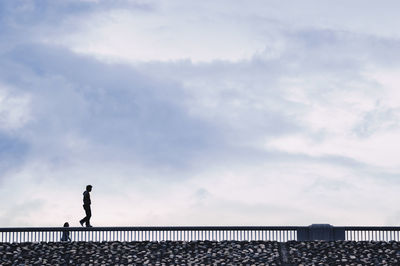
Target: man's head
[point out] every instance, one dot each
(89, 188)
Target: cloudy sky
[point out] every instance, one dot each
(200, 112)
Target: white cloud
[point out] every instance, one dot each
(122, 35)
(207, 31)
(14, 109)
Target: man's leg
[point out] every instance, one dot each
(88, 215)
(84, 219)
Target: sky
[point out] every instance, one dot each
(206, 112)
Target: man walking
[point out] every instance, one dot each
(86, 206)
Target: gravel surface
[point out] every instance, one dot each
(343, 253)
(201, 253)
(133, 253)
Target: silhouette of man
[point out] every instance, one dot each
(86, 206)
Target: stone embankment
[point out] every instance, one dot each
(141, 253)
(343, 253)
(201, 253)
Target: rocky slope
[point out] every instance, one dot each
(201, 253)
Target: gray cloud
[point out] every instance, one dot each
(113, 107)
(13, 152)
(378, 120)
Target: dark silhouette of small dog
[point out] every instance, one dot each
(65, 234)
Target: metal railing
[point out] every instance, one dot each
(170, 233)
(202, 233)
(371, 233)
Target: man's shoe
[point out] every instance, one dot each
(81, 222)
(89, 225)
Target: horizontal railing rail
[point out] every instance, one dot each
(201, 233)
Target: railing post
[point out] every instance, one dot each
(339, 234)
(325, 232)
